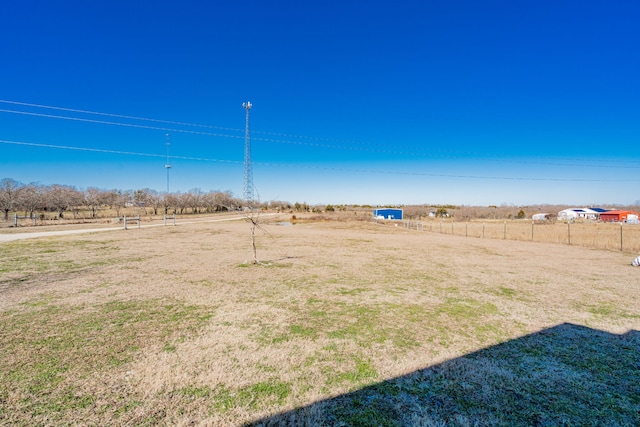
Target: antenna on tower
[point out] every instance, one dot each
(167, 166)
(247, 193)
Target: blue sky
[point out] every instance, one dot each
(367, 102)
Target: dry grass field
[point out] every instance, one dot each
(345, 323)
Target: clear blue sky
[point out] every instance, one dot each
(368, 102)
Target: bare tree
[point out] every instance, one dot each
(182, 201)
(252, 216)
(62, 198)
(118, 200)
(10, 191)
(56, 199)
(125, 199)
(32, 199)
(195, 199)
(169, 201)
(223, 201)
(140, 200)
(76, 200)
(93, 198)
(152, 198)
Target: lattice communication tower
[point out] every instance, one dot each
(247, 192)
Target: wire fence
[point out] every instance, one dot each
(610, 236)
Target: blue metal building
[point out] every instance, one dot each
(388, 213)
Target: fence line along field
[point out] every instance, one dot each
(614, 236)
(343, 323)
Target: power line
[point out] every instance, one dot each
(121, 116)
(327, 168)
(51, 107)
(316, 145)
(132, 125)
(101, 150)
(413, 153)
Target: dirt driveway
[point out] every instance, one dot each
(8, 237)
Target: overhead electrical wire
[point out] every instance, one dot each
(121, 116)
(590, 164)
(102, 150)
(133, 125)
(279, 165)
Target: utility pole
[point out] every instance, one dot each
(247, 193)
(167, 166)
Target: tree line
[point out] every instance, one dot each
(33, 199)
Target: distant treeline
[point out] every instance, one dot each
(32, 199)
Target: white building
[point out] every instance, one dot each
(572, 214)
(540, 217)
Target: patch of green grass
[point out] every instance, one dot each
(303, 331)
(55, 345)
(265, 392)
(268, 335)
(406, 326)
(28, 260)
(192, 392)
(507, 292)
(169, 347)
(363, 373)
(262, 394)
(465, 308)
(608, 310)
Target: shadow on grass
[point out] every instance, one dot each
(566, 375)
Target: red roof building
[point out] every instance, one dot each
(617, 216)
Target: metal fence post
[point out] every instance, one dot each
(621, 236)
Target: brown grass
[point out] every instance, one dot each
(168, 326)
